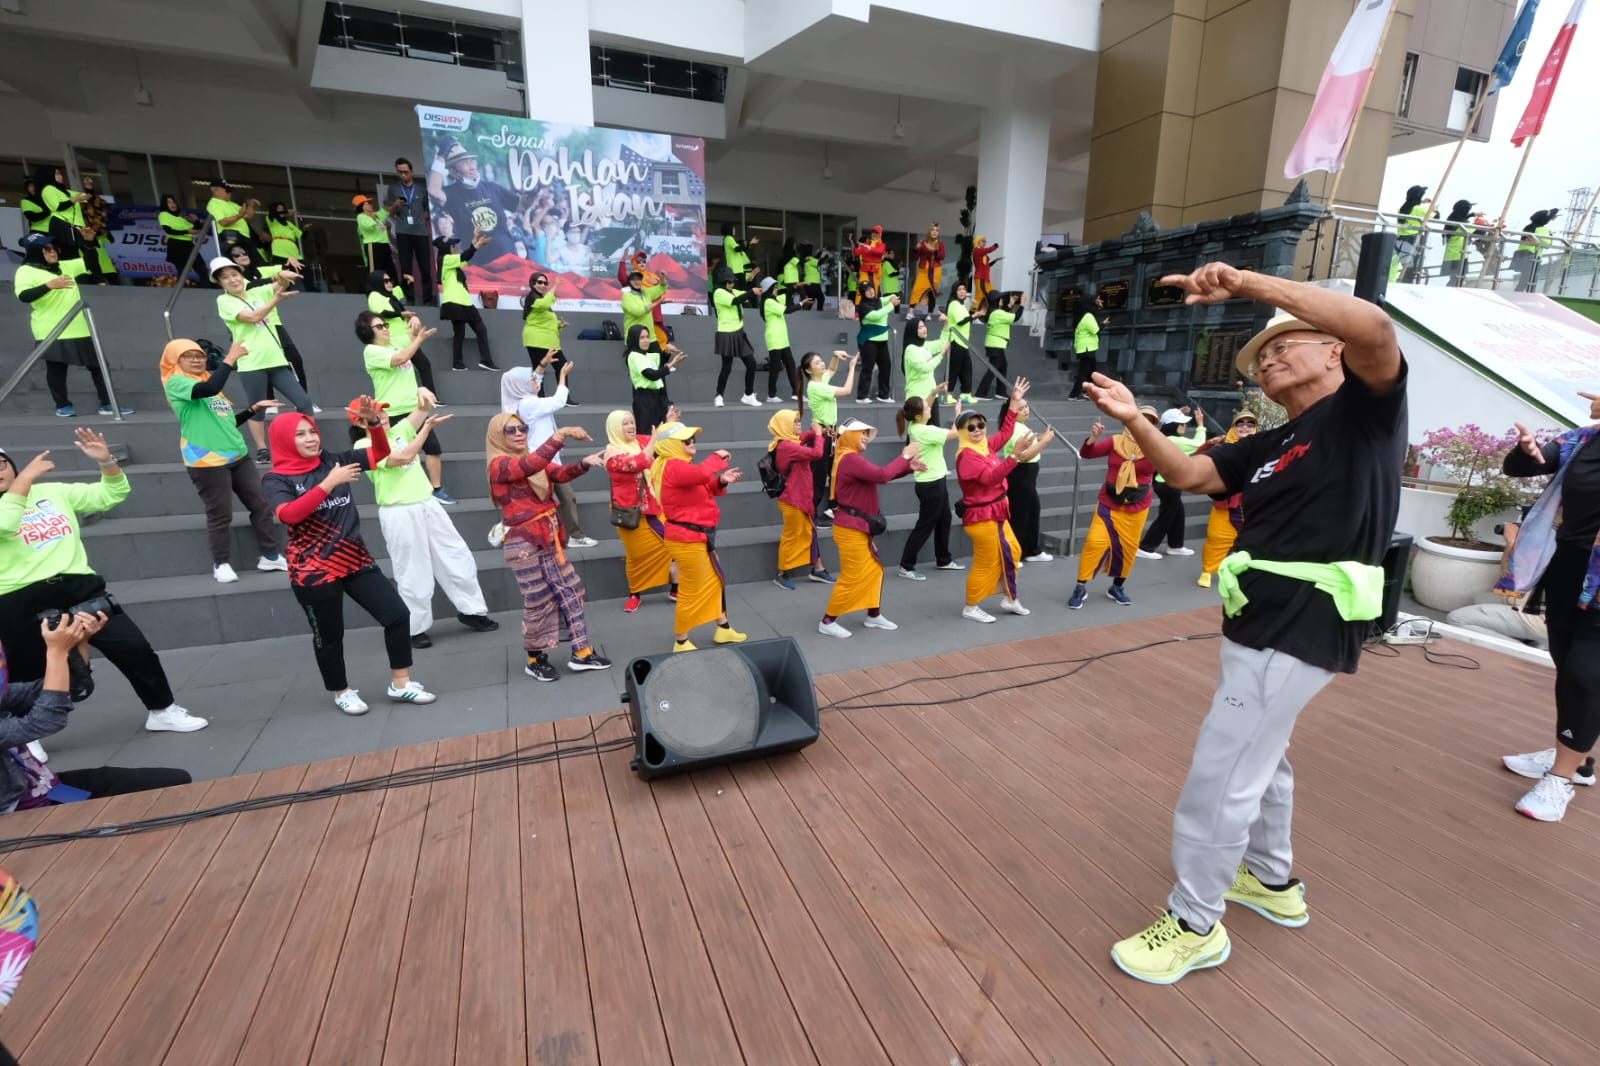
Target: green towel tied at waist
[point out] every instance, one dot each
(1356, 588)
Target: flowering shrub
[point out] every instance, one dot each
(1472, 458)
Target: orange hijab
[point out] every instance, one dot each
(169, 360)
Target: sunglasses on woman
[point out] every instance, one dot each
(516, 429)
(976, 425)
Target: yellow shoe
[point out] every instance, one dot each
(1163, 953)
(1286, 908)
(730, 635)
(682, 645)
(1205, 581)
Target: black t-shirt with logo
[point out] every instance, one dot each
(483, 208)
(1324, 488)
(327, 546)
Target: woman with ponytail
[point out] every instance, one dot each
(933, 499)
(857, 519)
(635, 511)
(688, 493)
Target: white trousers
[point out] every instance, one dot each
(424, 547)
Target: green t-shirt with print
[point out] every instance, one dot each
(42, 536)
(208, 434)
(393, 385)
(395, 486)
(265, 350)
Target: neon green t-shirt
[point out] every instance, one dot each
(399, 326)
(42, 536)
(393, 385)
(370, 227)
(959, 319)
(998, 335)
(60, 204)
(208, 434)
(1011, 445)
(221, 209)
(641, 361)
(1086, 338)
(167, 220)
(777, 328)
(285, 239)
(52, 307)
(737, 260)
(636, 309)
(542, 328)
(730, 316)
(791, 272)
(891, 279)
(452, 282)
(920, 361)
(931, 440)
(397, 485)
(823, 402)
(812, 270)
(265, 350)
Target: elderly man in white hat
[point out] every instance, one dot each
(1299, 592)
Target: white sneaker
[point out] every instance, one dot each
(1013, 606)
(272, 562)
(879, 622)
(317, 410)
(716, 401)
(1536, 764)
(749, 400)
(1148, 555)
(1180, 551)
(912, 575)
(865, 401)
(951, 565)
(173, 720)
(224, 573)
(775, 399)
(976, 614)
(412, 693)
(350, 702)
(1548, 800)
(582, 542)
(1038, 557)
(832, 629)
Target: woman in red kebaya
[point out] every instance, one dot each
(634, 509)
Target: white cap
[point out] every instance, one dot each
(1173, 415)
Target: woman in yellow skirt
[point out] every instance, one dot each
(688, 493)
(1227, 512)
(855, 517)
(634, 510)
(793, 453)
(1112, 545)
(985, 509)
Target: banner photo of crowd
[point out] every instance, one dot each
(582, 205)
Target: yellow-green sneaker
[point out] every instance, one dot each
(1166, 951)
(1287, 907)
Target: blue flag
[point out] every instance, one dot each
(1505, 68)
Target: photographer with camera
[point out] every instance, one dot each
(32, 710)
(44, 572)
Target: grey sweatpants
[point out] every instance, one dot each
(1238, 800)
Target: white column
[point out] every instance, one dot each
(1013, 154)
(555, 61)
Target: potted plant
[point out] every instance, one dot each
(1455, 569)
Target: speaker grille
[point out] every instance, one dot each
(703, 704)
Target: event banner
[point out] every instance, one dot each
(138, 245)
(579, 204)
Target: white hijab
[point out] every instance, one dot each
(516, 385)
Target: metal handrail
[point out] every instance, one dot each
(207, 230)
(80, 307)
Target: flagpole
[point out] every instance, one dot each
(1477, 112)
(1527, 150)
(1500, 224)
(1372, 76)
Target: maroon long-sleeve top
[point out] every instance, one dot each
(983, 477)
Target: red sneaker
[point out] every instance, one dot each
(632, 604)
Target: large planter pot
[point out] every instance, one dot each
(1444, 577)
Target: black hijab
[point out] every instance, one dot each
(908, 336)
(1414, 197)
(33, 256)
(45, 176)
(375, 282)
(1460, 211)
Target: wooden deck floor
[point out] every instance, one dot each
(927, 885)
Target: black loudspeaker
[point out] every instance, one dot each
(1395, 562)
(1372, 269)
(735, 701)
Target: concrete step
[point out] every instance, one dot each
(193, 609)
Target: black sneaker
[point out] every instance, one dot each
(263, 457)
(574, 403)
(593, 661)
(478, 623)
(81, 678)
(422, 640)
(462, 369)
(539, 668)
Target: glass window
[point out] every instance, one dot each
(187, 179)
(716, 216)
(802, 228)
(372, 31)
(597, 65)
(425, 38)
(709, 82)
(628, 70)
(328, 193)
(487, 49)
(766, 225)
(671, 76)
(1408, 77)
(119, 176)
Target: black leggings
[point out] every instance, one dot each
(780, 359)
(649, 410)
(821, 471)
(933, 518)
(121, 780)
(119, 641)
(551, 379)
(291, 353)
(424, 369)
(1022, 489)
(1086, 364)
(990, 381)
(1575, 647)
(1168, 522)
(324, 607)
(458, 341)
(55, 378)
(749, 374)
(873, 354)
(959, 373)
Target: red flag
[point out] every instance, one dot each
(1543, 89)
